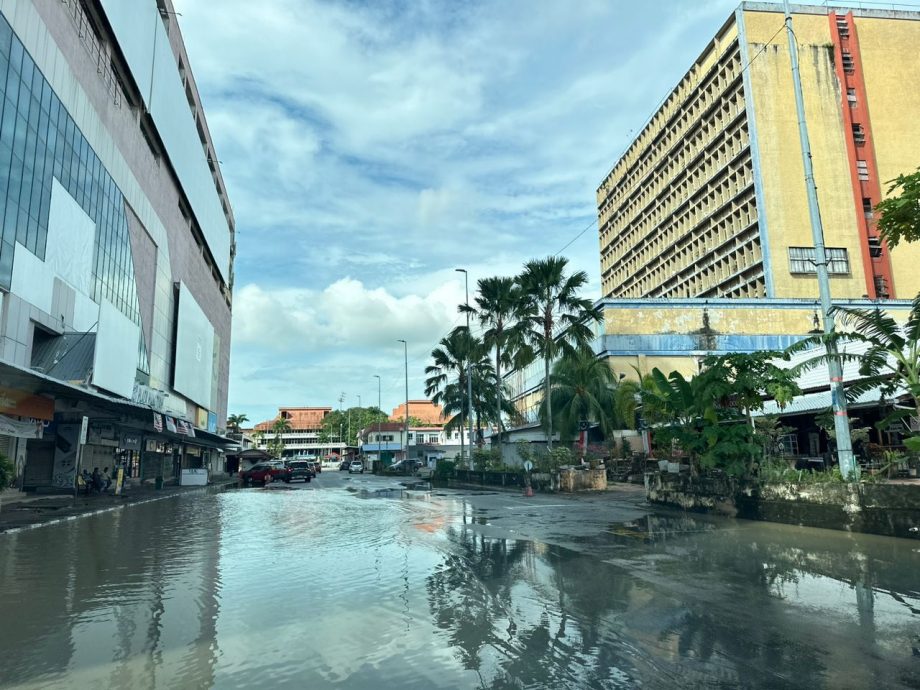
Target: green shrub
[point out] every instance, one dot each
(445, 469)
(7, 471)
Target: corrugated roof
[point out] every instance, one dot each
(67, 357)
(821, 400)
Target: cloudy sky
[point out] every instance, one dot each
(370, 148)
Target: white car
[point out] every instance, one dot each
(356, 466)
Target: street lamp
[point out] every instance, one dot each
(379, 452)
(406, 354)
(469, 375)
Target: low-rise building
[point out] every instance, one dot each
(304, 437)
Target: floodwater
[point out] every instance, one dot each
(326, 587)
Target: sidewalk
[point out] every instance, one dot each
(20, 510)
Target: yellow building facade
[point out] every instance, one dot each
(709, 201)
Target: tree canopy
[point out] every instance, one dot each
(900, 212)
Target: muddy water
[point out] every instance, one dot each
(323, 588)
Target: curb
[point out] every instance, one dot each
(111, 509)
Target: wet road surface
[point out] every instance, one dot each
(350, 583)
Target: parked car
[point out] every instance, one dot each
(356, 467)
(317, 466)
(278, 470)
(344, 465)
(404, 466)
(301, 469)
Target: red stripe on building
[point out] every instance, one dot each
(861, 153)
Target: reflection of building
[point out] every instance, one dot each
(305, 435)
(116, 246)
(706, 245)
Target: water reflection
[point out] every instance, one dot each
(688, 603)
(100, 604)
(321, 589)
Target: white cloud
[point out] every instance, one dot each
(371, 148)
(344, 314)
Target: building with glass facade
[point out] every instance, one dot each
(116, 246)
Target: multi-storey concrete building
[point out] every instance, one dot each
(117, 243)
(304, 436)
(709, 200)
(422, 410)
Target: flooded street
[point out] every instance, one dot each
(339, 585)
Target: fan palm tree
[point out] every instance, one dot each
(280, 426)
(446, 376)
(891, 362)
(582, 390)
(554, 318)
(236, 421)
(499, 307)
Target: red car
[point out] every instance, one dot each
(278, 470)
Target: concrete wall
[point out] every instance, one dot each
(891, 67)
(783, 178)
(887, 509)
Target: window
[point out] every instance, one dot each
(788, 444)
(843, 28)
(881, 287)
(867, 207)
(862, 170)
(802, 260)
(848, 64)
(851, 97)
(859, 134)
(875, 247)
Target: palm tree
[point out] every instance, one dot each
(582, 389)
(280, 426)
(446, 380)
(556, 320)
(499, 309)
(236, 421)
(891, 362)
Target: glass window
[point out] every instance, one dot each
(6, 37)
(802, 260)
(16, 55)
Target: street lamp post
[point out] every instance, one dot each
(848, 466)
(406, 355)
(469, 376)
(379, 452)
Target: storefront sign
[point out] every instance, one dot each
(151, 446)
(131, 440)
(158, 421)
(145, 395)
(201, 418)
(170, 424)
(20, 404)
(66, 456)
(194, 451)
(212, 422)
(102, 435)
(26, 429)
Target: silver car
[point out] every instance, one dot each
(356, 466)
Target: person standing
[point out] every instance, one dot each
(106, 478)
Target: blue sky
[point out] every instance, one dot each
(370, 148)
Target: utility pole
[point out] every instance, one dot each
(845, 458)
(379, 452)
(469, 376)
(406, 354)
